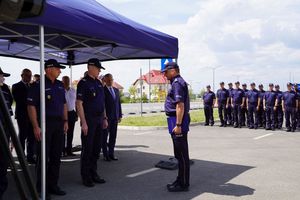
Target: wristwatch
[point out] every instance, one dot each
(178, 125)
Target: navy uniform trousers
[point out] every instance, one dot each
(237, 113)
(244, 116)
(290, 118)
(26, 135)
(278, 117)
(222, 113)
(253, 115)
(181, 152)
(91, 147)
(54, 143)
(261, 117)
(270, 120)
(209, 114)
(111, 131)
(230, 115)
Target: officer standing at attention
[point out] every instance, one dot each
(222, 99)
(297, 91)
(90, 105)
(209, 100)
(56, 124)
(261, 111)
(229, 106)
(20, 91)
(72, 116)
(177, 108)
(3, 158)
(290, 107)
(244, 117)
(238, 101)
(269, 107)
(278, 115)
(253, 106)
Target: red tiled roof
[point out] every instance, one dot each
(156, 77)
(118, 86)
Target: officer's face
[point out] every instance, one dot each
(109, 81)
(169, 73)
(208, 88)
(26, 77)
(277, 88)
(289, 87)
(271, 88)
(237, 85)
(261, 88)
(94, 71)
(66, 81)
(244, 87)
(230, 86)
(222, 86)
(252, 87)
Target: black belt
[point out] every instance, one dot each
(96, 114)
(171, 114)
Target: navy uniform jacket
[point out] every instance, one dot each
(54, 98)
(178, 93)
(262, 97)
(112, 106)
(237, 96)
(8, 97)
(279, 97)
(289, 99)
(20, 92)
(230, 91)
(208, 98)
(252, 96)
(270, 98)
(90, 91)
(222, 95)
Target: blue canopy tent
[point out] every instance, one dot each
(73, 31)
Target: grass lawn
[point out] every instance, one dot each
(161, 119)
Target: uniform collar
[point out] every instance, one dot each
(173, 79)
(49, 81)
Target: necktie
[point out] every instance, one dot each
(112, 92)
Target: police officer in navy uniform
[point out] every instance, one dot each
(177, 108)
(222, 99)
(56, 125)
(209, 100)
(290, 107)
(278, 114)
(297, 91)
(244, 117)
(269, 106)
(90, 105)
(261, 111)
(26, 135)
(238, 101)
(252, 106)
(3, 158)
(230, 117)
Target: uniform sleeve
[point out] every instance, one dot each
(213, 96)
(80, 91)
(32, 96)
(178, 92)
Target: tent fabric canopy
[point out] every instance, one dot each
(77, 30)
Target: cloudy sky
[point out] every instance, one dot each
(246, 40)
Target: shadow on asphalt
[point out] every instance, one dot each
(206, 177)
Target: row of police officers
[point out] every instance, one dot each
(254, 108)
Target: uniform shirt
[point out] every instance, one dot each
(208, 98)
(230, 91)
(279, 97)
(252, 96)
(237, 96)
(90, 91)
(222, 95)
(262, 97)
(270, 98)
(178, 93)
(8, 97)
(289, 99)
(54, 97)
(70, 98)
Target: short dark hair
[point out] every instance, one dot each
(108, 75)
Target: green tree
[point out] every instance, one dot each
(132, 91)
(202, 91)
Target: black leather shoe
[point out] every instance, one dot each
(178, 188)
(268, 129)
(113, 158)
(206, 124)
(106, 158)
(172, 184)
(273, 129)
(235, 126)
(57, 191)
(88, 183)
(99, 180)
(31, 161)
(221, 125)
(71, 154)
(288, 130)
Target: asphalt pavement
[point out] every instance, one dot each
(229, 164)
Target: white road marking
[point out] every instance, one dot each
(143, 133)
(70, 160)
(263, 136)
(142, 172)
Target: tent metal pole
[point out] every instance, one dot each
(43, 113)
(71, 75)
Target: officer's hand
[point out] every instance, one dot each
(37, 133)
(264, 107)
(105, 124)
(84, 128)
(177, 130)
(226, 106)
(275, 108)
(242, 105)
(66, 127)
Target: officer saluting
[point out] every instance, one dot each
(177, 108)
(290, 107)
(91, 111)
(269, 107)
(209, 100)
(222, 99)
(56, 124)
(252, 106)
